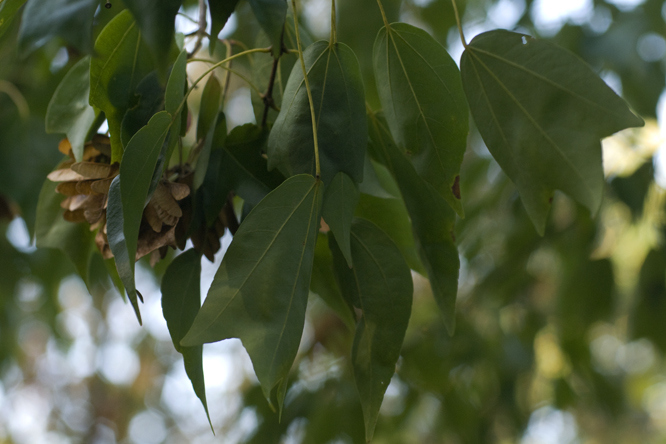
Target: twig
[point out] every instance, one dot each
(201, 32)
(269, 102)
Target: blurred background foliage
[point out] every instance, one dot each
(560, 339)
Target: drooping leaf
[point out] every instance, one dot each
(148, 100)
(181, 300)
(324, 284)
(216, 185)
(421, 93)
(380, 285)
(8, 10)
(156, 19)
(391, 216)
(69, 111)
(372, 184)
(122, 61)
(339, 102)
(175, 90)
(53, 231)
(201, 168)
(260, 291)
(271, 15)
(541, 112)
(210, 106)
(340, 201)
(432, 221)
(115, 225)
(71, 20)
(136, 174)
(220, 11)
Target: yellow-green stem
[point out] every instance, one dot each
(460, 30)
(381, 9)
(334, 31)
(307, 88)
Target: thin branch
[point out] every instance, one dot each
(201, 31)
(267, 97)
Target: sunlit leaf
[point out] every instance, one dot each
(541, 112)
(260, 291)
(422, 96)
(340, 201)
(181, 299)
(120, 63)
(339, 103)
(432, 221)
(380, 285)
(69, 111)
(70, 19)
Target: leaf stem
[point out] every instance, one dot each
(459, 23)
(307, 88)
(211, 69)
(381, 9)
(334, 31)
(16, 97)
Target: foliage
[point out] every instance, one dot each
(363, 183)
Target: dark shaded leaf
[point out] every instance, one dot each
(260, 291)
(181, 300)
(421, 94)
(209, 107)
(339, 102)
(220, 11)
(380, 285)
(647, 318)
(8, 10)
(541, 112)
(175, 90)
(69, 111)
(340, 201)
(271, 15)
(148, 100)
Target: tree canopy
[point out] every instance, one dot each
(398, 218)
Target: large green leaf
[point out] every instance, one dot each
(339, 102)
(53, 231)
(432, 221)
(421, 93)
(541, 112)
(260, 291)
(70, 19)
(209, 107)
(220, 11)
(175, 90)
(380, 285)
(340, 201)
(148, 100)
(115, 234)
(181, 299)
(8, 10)
(136, 175)
(156, 19)
(121, 63)
(69, 111)
(271, 15)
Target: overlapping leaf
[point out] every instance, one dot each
(70, 19)
(220, 11)
(339, 102)
(209, 107)
(260, 291)
(69, 111)
(181, 299)
(541, 112)
(340, 201)
(120, 64)
(271, 15)
(432, 221)
(422, 96)
(380, 285)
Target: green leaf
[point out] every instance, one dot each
(156, 19)
(115, 224)
(148, 100)
(260, 291)
(324, 284)
(121, 63)
(69, 111)
(432, 222)
(201, 168)
(220, 11)
(8, 9)
(53, 231)
(421, 93)
(216, 185)
(391, 216)
(136, 174)
(339, 102)
(372, 184)
(380, 285)
(647, 317)
(181, 300)
(271, 15)
(71, 20)
(175, 90)
(209, 107)
(340, 201)
(541, 112)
